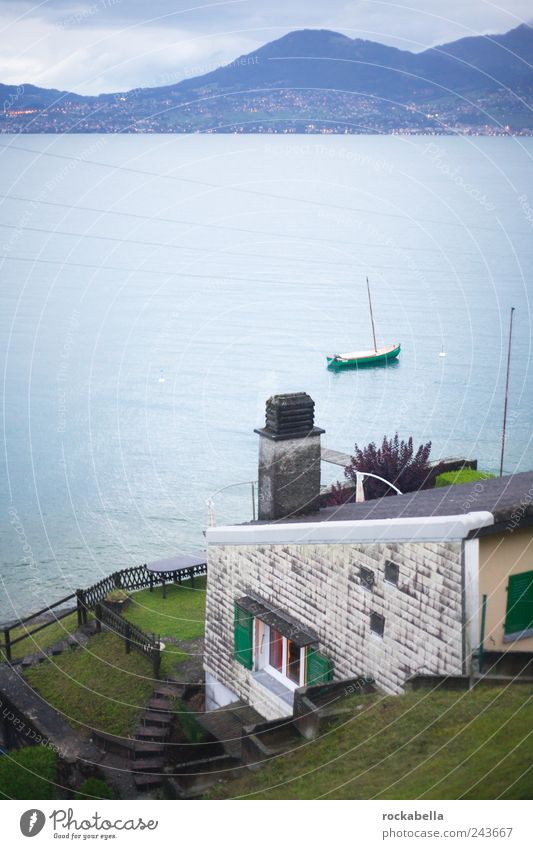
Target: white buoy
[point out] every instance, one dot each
(161, 378)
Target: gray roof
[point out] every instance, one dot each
(509, 499)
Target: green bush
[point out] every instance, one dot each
(29, 773)
(462, 476)
(117, 595)
(96, 788)
(190, 725)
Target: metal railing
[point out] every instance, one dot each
(210, 503)
(363, 475)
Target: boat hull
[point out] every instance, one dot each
(374, 359)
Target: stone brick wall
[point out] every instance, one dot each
(320, 586)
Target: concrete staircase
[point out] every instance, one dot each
(227, 725)
(315, 709)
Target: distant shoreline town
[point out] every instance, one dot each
(310, 82)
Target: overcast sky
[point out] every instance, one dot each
(91, 46)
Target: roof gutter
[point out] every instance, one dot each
(406, 529)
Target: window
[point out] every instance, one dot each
(280, 656)
(367, 578)
(260, 646)
(377, 624)
(276, 650)
(294, 666)
(519, 614)
(392, 572)
(291, 664)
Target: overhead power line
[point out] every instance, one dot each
(225, 277)
(243, 190)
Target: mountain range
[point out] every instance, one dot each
(312, 81)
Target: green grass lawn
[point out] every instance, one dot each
(54, 633)
(441, 745)
(180, 615)
(461, 476)
(97, 686)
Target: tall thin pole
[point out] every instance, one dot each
(481, 651)
(506, 391)
(371, 314)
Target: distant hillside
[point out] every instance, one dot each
(326, 59)
(313, 80)
(14, 97)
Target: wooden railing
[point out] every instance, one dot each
(134, 578)
(133, 636)
(9, 642)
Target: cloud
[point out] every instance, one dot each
(95, 59)
(92, 46)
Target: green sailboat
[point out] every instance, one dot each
(372, 357)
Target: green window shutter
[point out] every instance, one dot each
(319, 668)
(519, 616)
(243, 637)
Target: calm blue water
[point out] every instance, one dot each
(134, 373)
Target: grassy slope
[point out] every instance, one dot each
(102, 687)
(98, 686)
(440, 745)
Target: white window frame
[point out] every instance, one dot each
(275, 673)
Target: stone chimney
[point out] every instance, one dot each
(289, 457)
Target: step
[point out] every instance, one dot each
(148, 765)
(145, 749)
(160, 705)
(246, 715)
(164, 691)
(227, 724)
(152, 732)
(148, 780)
(156, 718)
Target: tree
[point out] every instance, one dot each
(397, 462)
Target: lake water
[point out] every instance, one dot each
(155, 290)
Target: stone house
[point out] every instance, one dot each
(383, 588)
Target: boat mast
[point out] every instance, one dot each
(371, 315)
